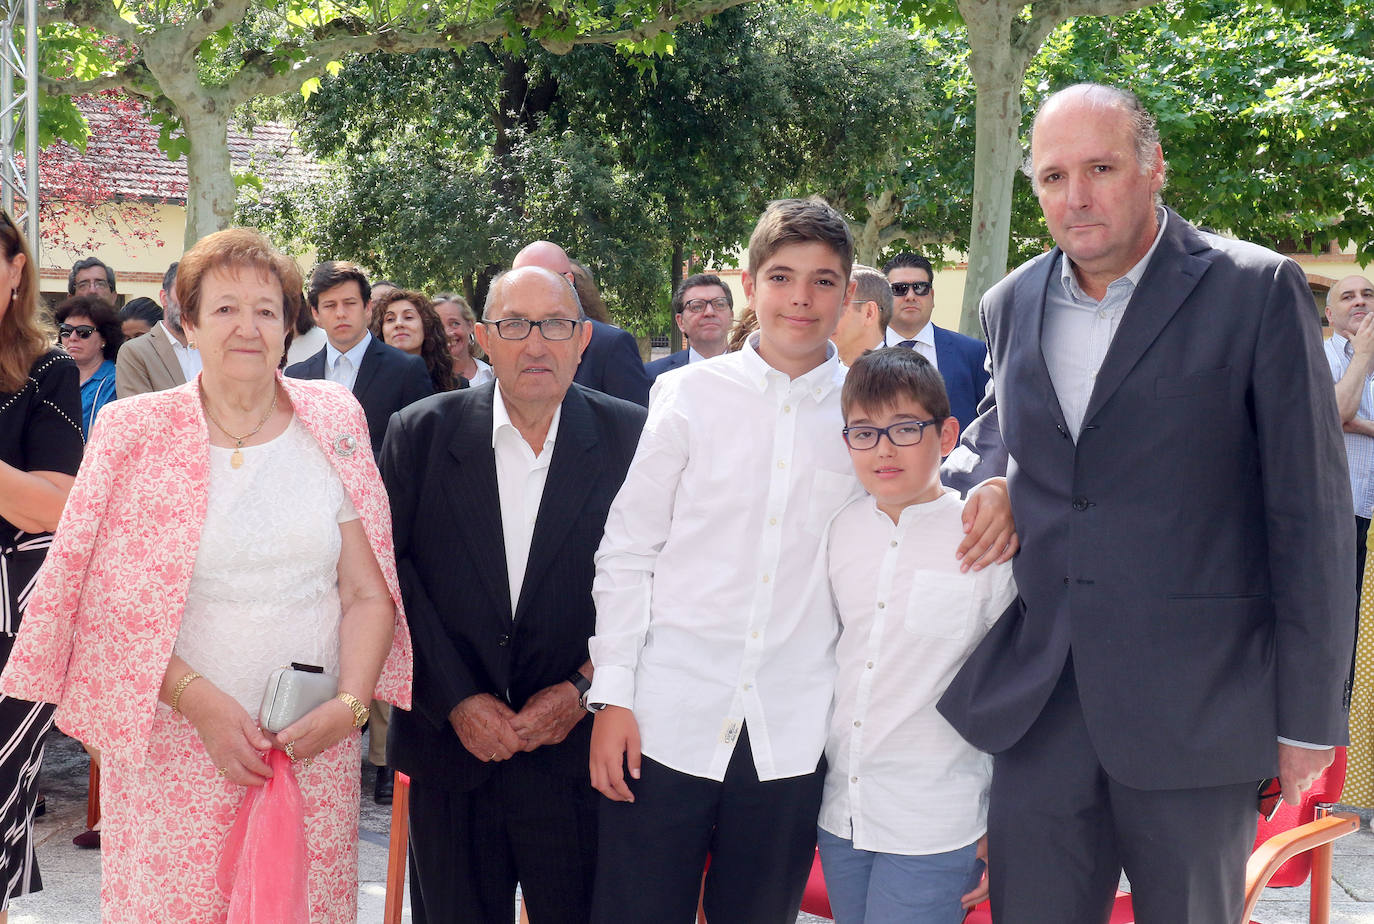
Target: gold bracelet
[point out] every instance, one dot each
(180, 688)
(360, 711)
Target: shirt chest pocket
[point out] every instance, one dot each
(940, 604)
(829, 491)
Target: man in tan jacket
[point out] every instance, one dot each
(160, 358)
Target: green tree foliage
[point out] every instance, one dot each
(448, 163)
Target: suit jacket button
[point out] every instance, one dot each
(503, 640)
(1080, 503)
(1066, 580)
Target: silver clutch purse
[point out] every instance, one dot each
(292, 692)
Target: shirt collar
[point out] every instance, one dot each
(354, 354)
(500, 420)
(818, 382)
(176, 344)
(1341, 343)
(1133, 275)
(948, 497)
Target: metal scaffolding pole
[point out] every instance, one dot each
(19, 109)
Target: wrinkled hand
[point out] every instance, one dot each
(615, 743)
(990, 534)
(1300, 767)
(232, 738)
(979, 894)
(548, 716)
(483, 725)
(318, 730)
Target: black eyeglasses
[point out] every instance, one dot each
(906, 433)
(899, 289)
(549, 328)
(699, 305)
(83, 331)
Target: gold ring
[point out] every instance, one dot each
(223, 771)
(290, 749)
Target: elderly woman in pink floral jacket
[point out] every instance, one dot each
(215, 532)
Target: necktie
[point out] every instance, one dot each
(907, 344)
(342, 372)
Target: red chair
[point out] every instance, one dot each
(1289, 849)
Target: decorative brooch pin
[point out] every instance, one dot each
(345, 445)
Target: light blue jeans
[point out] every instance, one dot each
(866, 887)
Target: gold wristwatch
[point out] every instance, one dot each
(360, 712)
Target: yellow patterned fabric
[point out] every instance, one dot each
(1359, 774)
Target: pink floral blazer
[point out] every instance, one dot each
(99, 630)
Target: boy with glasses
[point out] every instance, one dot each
(904, 810)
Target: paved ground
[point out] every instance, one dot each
(71, 876)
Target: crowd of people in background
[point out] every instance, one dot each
(1089, 581)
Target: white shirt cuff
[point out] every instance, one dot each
(1305, 744)
(613, 686)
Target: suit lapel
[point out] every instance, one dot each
(573, 470)
(1028, 318)
(473, 496)
(1173, 273)
(367, 369)
(162, 346)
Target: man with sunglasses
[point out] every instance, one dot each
(960, 360)
(704, 311)
(499, 496)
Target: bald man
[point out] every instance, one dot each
(1350, 352)
(611, 362)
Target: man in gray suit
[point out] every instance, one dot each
(1177, 477)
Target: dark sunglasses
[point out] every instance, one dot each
(83, 331)
(1268, 798)
(899, 289)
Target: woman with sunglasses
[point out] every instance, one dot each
(40, 450)
(89, 330)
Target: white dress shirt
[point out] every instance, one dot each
(900, 778)
(520, 478)
(1359, 449)
(188, 358)
(355, 359)
(925, 342)
(483, 375)
(711, 603)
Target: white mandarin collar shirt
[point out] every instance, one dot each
(925, 342)
(712, 609)
(1078, 330)
(188, 358)
(900, 778)
(355, 357)
(520, 479)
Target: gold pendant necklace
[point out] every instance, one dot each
(236, 459)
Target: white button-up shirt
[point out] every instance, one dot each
(520, 479)
(898, 772)
(925, 342)
(355, 358)
(187, 358)
(1359, 449)
(712, 609)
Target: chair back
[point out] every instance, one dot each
(1326, 790)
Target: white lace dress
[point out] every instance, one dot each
(263, 594)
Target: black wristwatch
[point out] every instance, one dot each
(580, 681)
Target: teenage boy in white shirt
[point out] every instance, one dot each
(713, 621)
(904, 810)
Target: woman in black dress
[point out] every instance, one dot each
(40, 449)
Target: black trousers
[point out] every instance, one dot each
(469, 849)
(760, 836)
(1060, 831)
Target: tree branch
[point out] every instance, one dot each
(214, 16)
(1045, 15)
(133, 78)
(94, 14)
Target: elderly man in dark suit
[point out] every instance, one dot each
(1178, 482)
(499, 496)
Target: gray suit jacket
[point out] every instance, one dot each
(1192, 549)
(147, 364)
